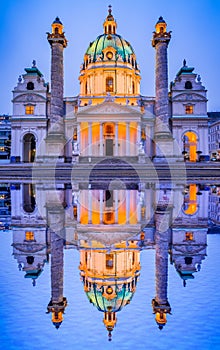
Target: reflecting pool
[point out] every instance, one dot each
(117, 266)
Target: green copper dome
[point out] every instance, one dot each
(124, 296)
(123, 48)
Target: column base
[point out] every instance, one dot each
(55, 148)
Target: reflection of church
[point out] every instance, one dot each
(110, 229)
(109, 117)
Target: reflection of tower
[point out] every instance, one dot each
(58, 302)
(160, 303)
(109, 276)
(189, 233)
(30, 241)
(55, 139)
(163, 136)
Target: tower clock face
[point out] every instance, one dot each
(109, 55)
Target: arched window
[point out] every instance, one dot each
(56, 30)
(109, 84)
(86, 89)
(188, 85)
(30, 85)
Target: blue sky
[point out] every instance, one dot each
(195, 37)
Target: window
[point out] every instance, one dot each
(189, 236)
(109, 84)
(133, 88)
(109, 129)
(109, 261)
(30, 85)
(188, 260)
(29, 109)
(29, 236)
(189, 109)
(109, 55)
(188, 85)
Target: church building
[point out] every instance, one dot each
(109, 118)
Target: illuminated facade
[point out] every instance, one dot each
(109, 117)
(171, 220)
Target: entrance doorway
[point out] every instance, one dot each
(109, 147)
(190, 146)
(29, 144)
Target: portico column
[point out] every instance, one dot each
(78, 212)
(138, 137)
(90, 139)
(79, 137)
(116, 139)
(127, 139)
(101, 139)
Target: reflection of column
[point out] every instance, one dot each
(116, 139)
(138, 210)
(56, 218)
(101, 205)
(127, 206)
(90, 139)
(127, 139)
(116, 206)
(160, 303)
(58, 302)
(101, 139)
(90, 206)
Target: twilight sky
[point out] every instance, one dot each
(195, 37)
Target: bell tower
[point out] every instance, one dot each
(55, 139)
(163, 138)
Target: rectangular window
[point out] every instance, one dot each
(189, 109)
(29, 236)
(109, 261)
(29, 109)
(189, 236)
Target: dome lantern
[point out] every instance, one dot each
(57, 26)
(110, 24)
(161, 26)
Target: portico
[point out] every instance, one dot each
(101, 134)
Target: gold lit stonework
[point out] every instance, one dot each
(111, 70)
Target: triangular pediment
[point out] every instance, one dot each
(108, 108)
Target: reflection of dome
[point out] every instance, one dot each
(109, 278)
(123, 295)
(122, 48)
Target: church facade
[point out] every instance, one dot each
(109, 118)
